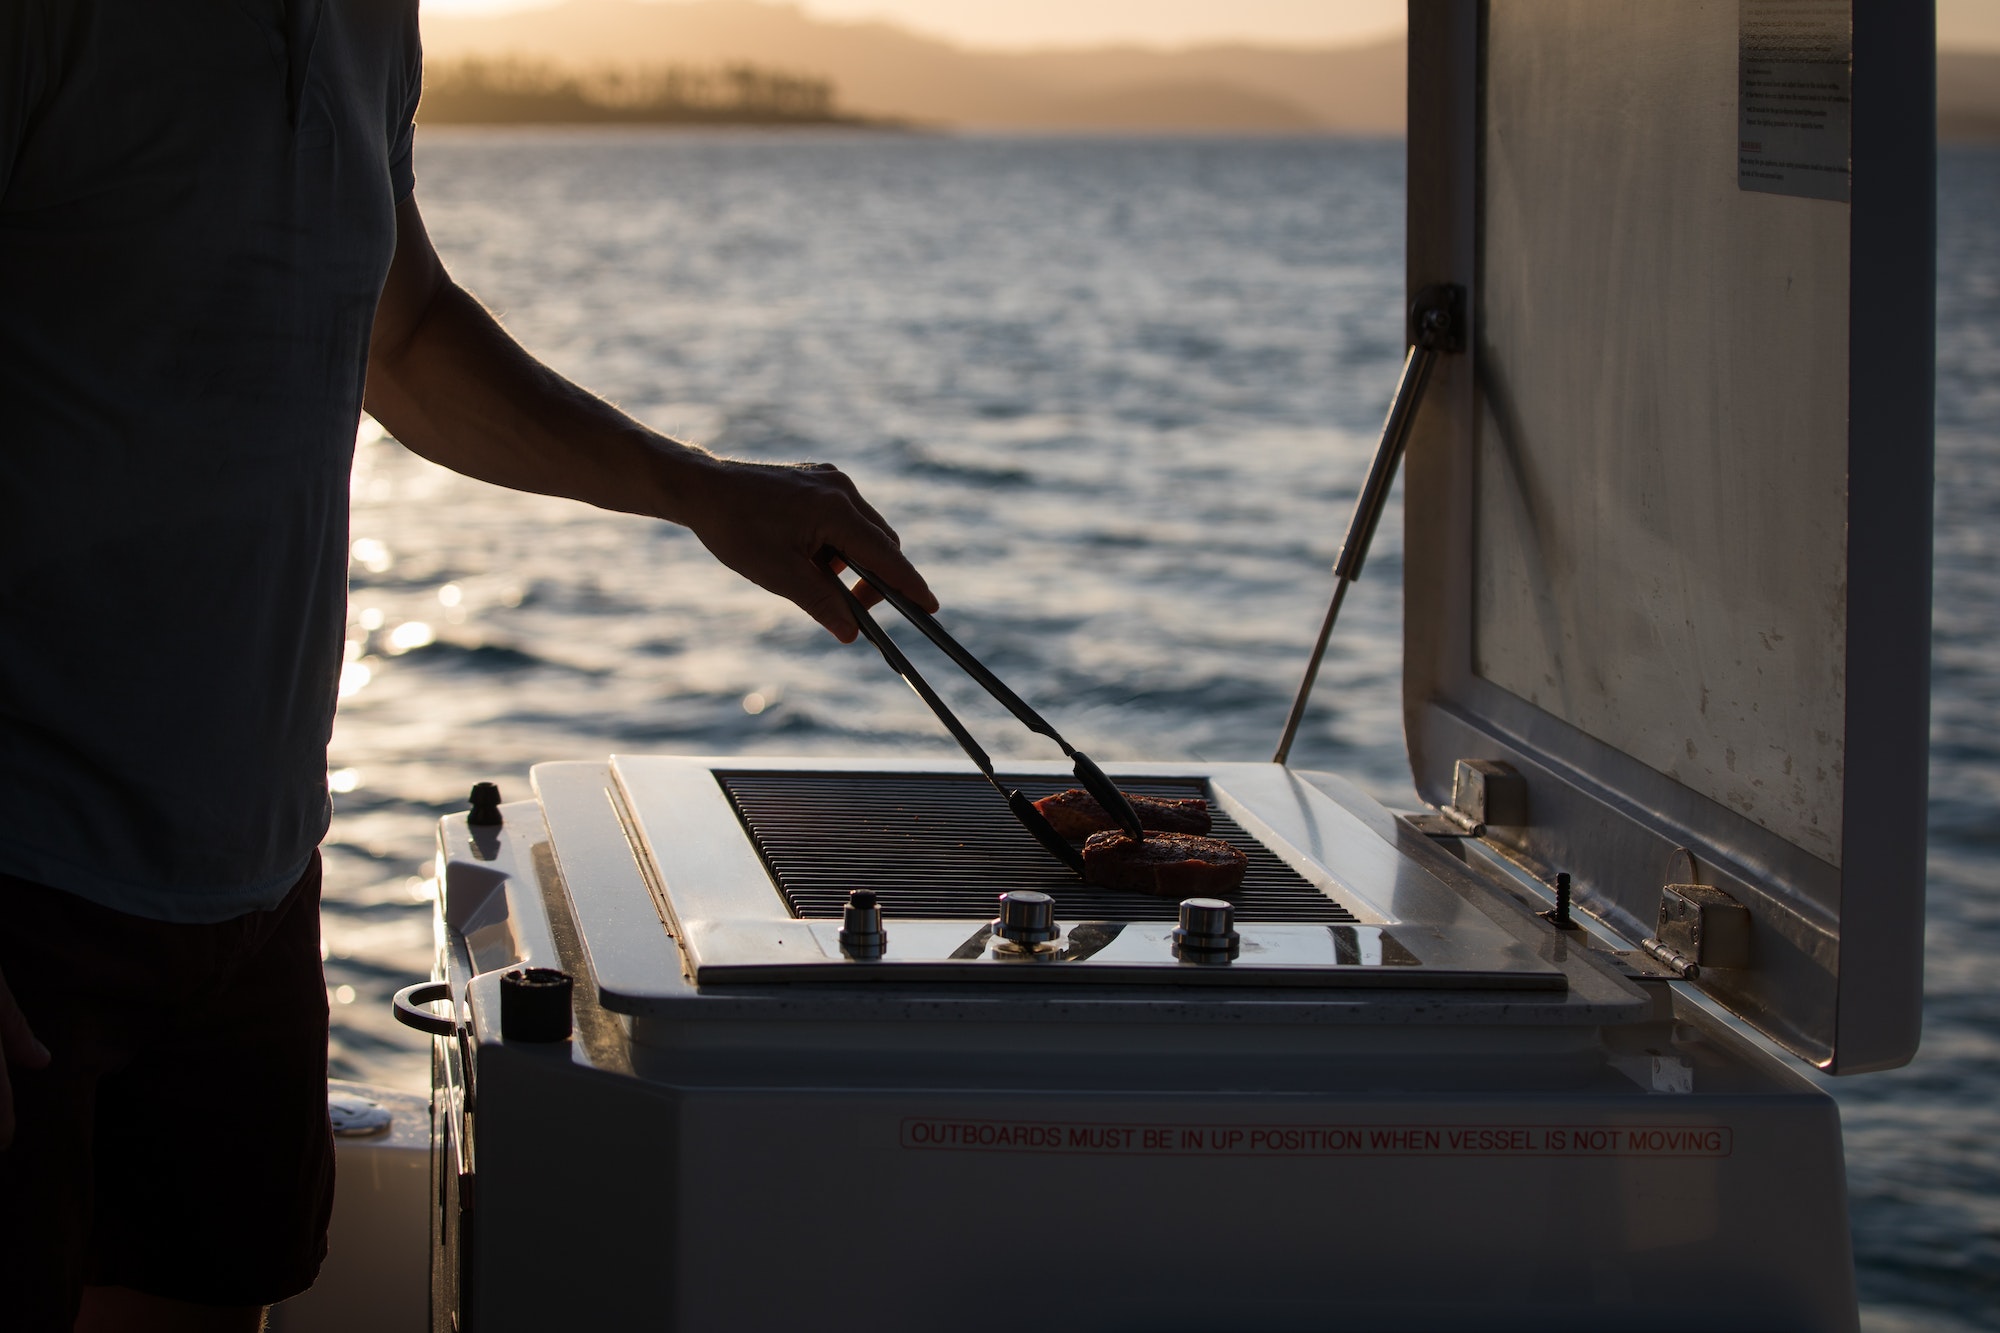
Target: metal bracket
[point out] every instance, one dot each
(1437, 318)
(1700, 927)
(1485, 791)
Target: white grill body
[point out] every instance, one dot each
(933, 1153)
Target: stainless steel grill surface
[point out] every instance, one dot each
(943, 846)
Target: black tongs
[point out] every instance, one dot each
(1088, 773)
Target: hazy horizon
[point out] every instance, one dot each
(886, 72)
(1171, 25)
(1062, 25)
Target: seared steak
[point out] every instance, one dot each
(1076, 814)
(1175, 865)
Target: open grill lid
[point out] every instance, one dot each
(1668, 514)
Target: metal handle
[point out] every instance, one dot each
(957, 652)
(1052, 842)
(1108, 794)
(902, 666)
(1093, 778)
(1024, 809)
(411, 1013)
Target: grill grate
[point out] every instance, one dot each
(944, 845)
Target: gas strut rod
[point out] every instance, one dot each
(1437, 319)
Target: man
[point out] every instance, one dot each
(208, 242)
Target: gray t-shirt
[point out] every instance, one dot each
(196, 215)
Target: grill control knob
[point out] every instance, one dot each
(1207, 932)
(861, 933)
(1026, 918)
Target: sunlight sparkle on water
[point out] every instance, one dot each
(343, 780)
(372, 555)
(410, 634)
(354, 678)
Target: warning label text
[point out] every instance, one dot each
(1332, 1140)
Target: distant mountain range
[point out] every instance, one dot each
(885, 71)
(881, 70)
(1969, 95)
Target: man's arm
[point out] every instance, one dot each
(448, 382)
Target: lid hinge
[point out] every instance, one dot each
(1700, 927)
(1485, 791)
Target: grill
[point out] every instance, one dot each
(945, 846)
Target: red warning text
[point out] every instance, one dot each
(1330, 1140)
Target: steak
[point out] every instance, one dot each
(1076, 814)
(1174, 865)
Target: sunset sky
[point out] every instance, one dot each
(1027, 23)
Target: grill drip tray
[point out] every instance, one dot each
(751, 862)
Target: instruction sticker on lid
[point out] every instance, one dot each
(1794, 97)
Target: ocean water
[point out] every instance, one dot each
(1116, 395)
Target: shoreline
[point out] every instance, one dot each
(888, 128)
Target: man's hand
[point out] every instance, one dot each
(769, 521)
(449, 383)
(17, 1047)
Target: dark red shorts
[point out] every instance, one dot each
(177, 1142)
